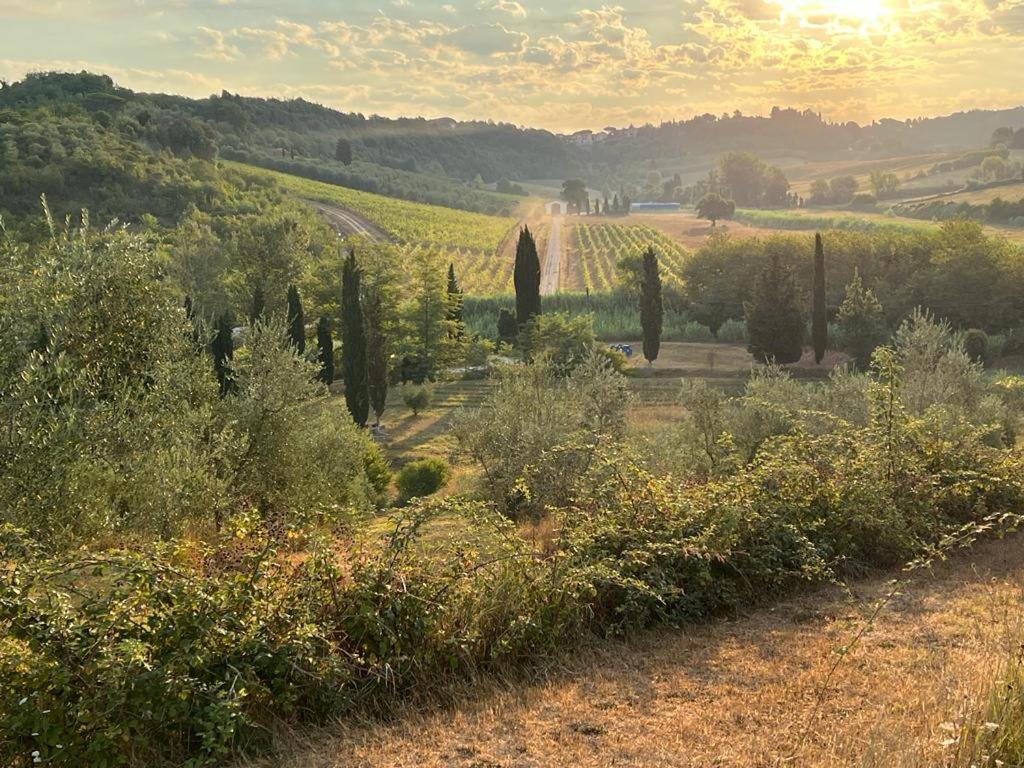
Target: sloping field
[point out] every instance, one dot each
(405, 222)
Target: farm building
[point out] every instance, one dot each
(555, 208)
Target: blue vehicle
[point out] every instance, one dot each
(625, 349)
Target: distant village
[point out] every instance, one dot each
(588, 138)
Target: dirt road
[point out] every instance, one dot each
(739, 692)
(345, 222)
(551, 271)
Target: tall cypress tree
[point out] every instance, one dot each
(651, 307)
(819, 312)
(195, 333)
(259, 303)
(296, 320)
(353, 343)
(223, 349)
(454, 304)
(376, 355)
(527, 278)
(325, 350)
(775, 322)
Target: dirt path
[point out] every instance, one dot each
(345, 222)
(739, 692)
(550, 276)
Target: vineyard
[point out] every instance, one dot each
(599, 248)
(405, 222)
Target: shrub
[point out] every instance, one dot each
(733, 332)
(976, 345)
(417, 397)
(422, 478)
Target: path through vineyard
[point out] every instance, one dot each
(551, 272)
(345, 222)
(740, 692)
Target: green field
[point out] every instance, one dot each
(405, 222)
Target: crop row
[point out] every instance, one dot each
(600, 247)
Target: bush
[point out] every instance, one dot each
(733, 332)
(422, 478)
(976, 345)
(417, 397)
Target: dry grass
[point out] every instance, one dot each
(737, 692)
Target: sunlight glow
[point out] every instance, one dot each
(850, 14)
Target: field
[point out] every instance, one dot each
(802, 174)
(597, 248)
(407, 223)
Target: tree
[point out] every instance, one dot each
(820, 192)
(353, 343)
(842, 189)
(861, 324)
(714, 207)
(884, 184)
(296, 320)
(574, 192)
(376, 355)
(259, 303)
(527, 278)
(432, 338)
(381, 304)
(454, 303)
(651, 308)
(507, 327)
(343, 152)
(325, 350)
(819, 311)
(775, 324)
(223, 348)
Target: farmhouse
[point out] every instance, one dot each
(555, 208)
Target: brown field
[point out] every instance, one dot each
(802, 175)
(765, 688)
(687, 229)
(1011, 192)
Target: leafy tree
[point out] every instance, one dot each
(353, 344)
(861, 323)
(775, 323)
(377, 355)
(651, 309)
(223, 348)
(325, 350)
(563, 340)
(343, 152)
(820, 192)
(296, 320)
(527, 278)
(574, 192)
(430, 334)
(884, 183)
(417, 397)
(842, 189)
(714, 207)
(819, 309)
(380, 290)
(508, 329)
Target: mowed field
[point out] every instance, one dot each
(802, 174)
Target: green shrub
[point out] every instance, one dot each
(976, 345)
(417, 397)
(422, 478)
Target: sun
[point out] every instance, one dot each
(861, 14)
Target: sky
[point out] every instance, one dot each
(562, 66)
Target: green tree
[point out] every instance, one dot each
(296, 320)
(714, 207)
(223, 348)
(574, 192)
(259, 303)
(842, 189)
(651, 308)
(775, 322)
(861, 323)
(430, 334)
(377, 355)
(819, 309)
(325, 350)
(353, 343)
(343, 152)
(884, 183)
(527, 278)
(380, 290)
(455, 303)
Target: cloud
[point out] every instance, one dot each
(216, 47)
(485, 39)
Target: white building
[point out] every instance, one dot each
(555, 208)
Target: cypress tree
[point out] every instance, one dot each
(325, 353)
(258, 303)
(190, 314)
(527, 278)
(223, 349)
(819, 312)
(775, 322)
(376, 356)
(296, 320)
(651, 308)
(454, 304)
(353, 343)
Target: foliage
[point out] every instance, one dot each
(651, 308)
(422, 477)
(775, 323)
(527, 278)
(819, 308)
(714, 207)
(417, 397)
(296, 320)
(861, 324)
(976, 345)
(564, 341)
(325, 350)
(353, 343)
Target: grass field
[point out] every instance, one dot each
(802, 175)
